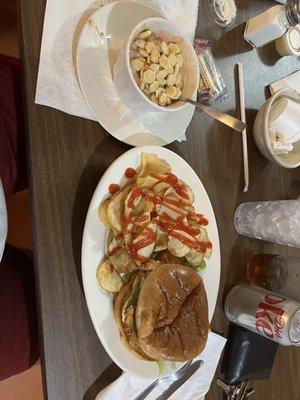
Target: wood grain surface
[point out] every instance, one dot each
(68, 156)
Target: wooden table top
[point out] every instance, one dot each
(68, 156)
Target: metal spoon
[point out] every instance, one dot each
(171, 378)
(226, 119)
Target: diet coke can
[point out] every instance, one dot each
(269, 314)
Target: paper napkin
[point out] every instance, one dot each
(128, 386)
(57, 84)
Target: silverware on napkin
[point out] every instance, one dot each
(179, 378)
(178, 383)
(226, 119)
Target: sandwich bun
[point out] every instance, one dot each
(171, 314)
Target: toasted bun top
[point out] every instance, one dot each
(172, 313)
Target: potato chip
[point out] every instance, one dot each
(112, 244)
(146, 182)
(115, 209)
(122, 261)
(174, 212)
(146, 251)
(160, 188)
(109, 279)
(102, 212)
(188, 192)
(204, 238)
(151, 164)
(161, 241)
(177, 248)
(143, 207)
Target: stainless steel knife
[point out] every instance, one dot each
(177, 384)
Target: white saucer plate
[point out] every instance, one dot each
(102, 37)
(100, 303)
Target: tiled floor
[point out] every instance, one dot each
(27, 385)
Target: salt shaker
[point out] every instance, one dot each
(272, 23)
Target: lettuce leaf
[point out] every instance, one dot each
(161, 366)
(201, 266)
(132, 299)
(198, 268)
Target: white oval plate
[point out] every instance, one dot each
(95, 59)
(100, 303)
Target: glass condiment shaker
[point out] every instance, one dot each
(217, 17)
(277, 273)
(272, 23)
(223, 12)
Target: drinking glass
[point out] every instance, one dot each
(273, 221)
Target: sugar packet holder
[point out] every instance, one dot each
(211, 84)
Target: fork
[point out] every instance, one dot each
(170, 378)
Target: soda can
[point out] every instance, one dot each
(266, 313)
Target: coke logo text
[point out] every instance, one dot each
(269, 321)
